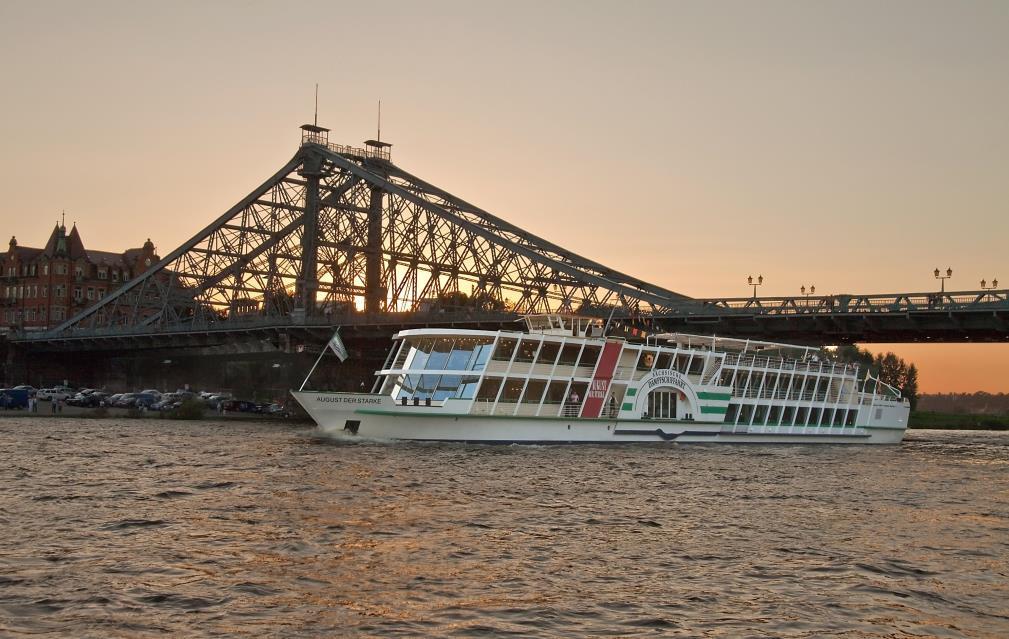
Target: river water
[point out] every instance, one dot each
(137, 528)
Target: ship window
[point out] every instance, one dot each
(774, 417)
(439, 354)
(527, 350)
(489, 389)
(662, 404)
(427, 386)
(696, 364)
(512, 389)
(419, 353)
(590, 355)
(569, 354)
(646, 360)
(465, 353)
(730, 413)
(548, 353)
(665, 361)
(505, 348)
(788, 415)
(481, 355)
(556, 392)
(467, 386)
(460, 355)
(446, 387)
(534, 391)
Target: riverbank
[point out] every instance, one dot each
(45, 411)
(956, 421)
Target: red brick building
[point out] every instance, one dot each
(42, 287)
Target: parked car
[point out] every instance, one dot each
(276, 410)
(112, 399)
(239, 406)
(13, 398)
(27, 387)
(152, 391)
(56, 393)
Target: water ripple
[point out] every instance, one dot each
(146, 528)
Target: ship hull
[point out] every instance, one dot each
(372, 417)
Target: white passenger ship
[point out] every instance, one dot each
(564, 381)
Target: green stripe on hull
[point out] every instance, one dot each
(723, 397)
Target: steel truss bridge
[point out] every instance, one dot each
(341, 236)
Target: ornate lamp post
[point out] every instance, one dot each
(940, 276)
(812, 290)
(755, 283)
(994, 285)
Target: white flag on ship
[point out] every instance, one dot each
(336, 344)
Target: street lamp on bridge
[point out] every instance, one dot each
(994, 285)
(755, 284)
(812, 290)
(940, 276)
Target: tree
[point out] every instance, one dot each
(910, 387)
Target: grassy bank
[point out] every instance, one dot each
(954, 421)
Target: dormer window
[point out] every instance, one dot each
(103, 273)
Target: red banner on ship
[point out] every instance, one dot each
(600, 383)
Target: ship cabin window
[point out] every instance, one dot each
(534, 391)
(590, 355)
(662, 404)
(731, 412)
(505, 348)
(696, 365)
(435, 387)
(489, 389)
(569, 354)
(665, 361)
(556, 392)
(548, 353)
(646, 361)
(512, 390)
(445, 353)
(527, 349)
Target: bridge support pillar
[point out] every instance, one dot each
(308, 281)
(375, 293)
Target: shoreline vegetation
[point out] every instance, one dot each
(957, 421)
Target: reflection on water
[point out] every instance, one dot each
(141, 528)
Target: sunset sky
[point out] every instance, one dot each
(851, 145)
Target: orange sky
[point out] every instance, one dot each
(851, 145)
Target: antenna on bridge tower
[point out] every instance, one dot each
(316, 120)
(379, 138)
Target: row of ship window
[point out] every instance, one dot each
(748, 414)
(473, 353)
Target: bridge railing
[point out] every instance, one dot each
(858, 304)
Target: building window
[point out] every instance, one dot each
(115, 276)
(60, 291)
(31, 269)
(45, 291)
(103, 273)
(101, 293)
(79, 272)
(91, 293)
(77, 293)
(45, 268)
